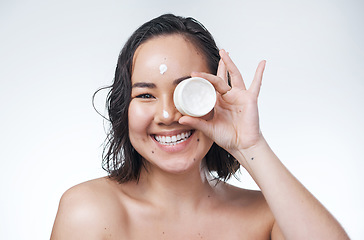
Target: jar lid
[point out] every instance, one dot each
(195, 97)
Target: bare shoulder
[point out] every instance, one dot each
(87, 211)
(242, 198)
(249, 210)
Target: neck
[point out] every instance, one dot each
(174, 189)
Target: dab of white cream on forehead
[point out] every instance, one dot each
(165, 114)
(163, 68)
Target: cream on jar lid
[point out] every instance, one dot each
(195, 97)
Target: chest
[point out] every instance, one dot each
(195, 227)
(194, 232)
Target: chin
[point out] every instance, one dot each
(175, 166)
(180, 167)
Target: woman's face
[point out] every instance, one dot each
(158, 66)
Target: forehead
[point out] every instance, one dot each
(179, 55)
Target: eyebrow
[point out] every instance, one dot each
(178, 80)
(143, 85)
(152, 85)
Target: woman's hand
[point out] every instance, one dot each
(235, 124)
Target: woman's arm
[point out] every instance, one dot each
(235, 127)
(298, 213)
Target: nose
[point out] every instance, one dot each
(167, 113)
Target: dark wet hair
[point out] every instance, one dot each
(120, 159)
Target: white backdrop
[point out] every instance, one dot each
(55, 54)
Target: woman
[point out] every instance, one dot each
(160, 163)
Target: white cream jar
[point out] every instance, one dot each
(195, 97)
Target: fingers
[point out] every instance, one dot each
(220, 81)
(257, 81)
(196, 123)
(219, 84)
(236, 78)
(222, 72)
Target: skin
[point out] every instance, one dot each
(175, 198)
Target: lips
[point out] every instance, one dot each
(171, 140)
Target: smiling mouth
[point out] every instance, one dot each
(174, 139)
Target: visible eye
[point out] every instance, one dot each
(145, 95)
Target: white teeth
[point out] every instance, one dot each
(173, 140)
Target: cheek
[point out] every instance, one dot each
(140, 117)
(205, 141)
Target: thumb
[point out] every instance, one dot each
(197, 123)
